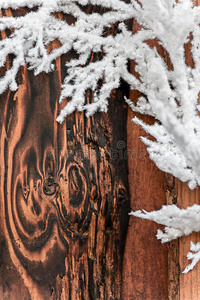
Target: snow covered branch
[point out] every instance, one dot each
(170, 94)
(37, 29)
(178, 222)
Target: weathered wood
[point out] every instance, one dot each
(145, 261)
(64, 194)
(65, 199)
(180, 286)
(189, 283)
(170, 188)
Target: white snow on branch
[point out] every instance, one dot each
(33, 32)
(178, 222)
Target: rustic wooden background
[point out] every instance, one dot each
(65, 194)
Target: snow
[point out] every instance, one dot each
(178, 222)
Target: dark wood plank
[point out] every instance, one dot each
(64, 194)
(170, 187)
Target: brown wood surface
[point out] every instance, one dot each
(143, 279)
(189, 288)
(189, 283)
(145, 261)
(64, 194)
(170, 187)
(145, 269)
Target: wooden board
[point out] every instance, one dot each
(189, 283)
(64, 194)
(189, 288)
(143, 279)
(145, 261)
(145, 274)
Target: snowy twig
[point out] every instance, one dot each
(178, 222)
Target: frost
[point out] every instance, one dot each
(178, 222)
(170, 94)
(37, 29)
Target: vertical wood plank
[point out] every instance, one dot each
(145, 269)
(63, 194)
(170, 188)
(189, 283)
(145, 264)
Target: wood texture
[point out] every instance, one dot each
(170, 187)
(64, 194)
(139, 282)
(145, 270)
(145, 261)
(189, 283)
(64, 199)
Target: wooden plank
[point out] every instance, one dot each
(64, 194)
(145, 269)
(145, 260)
(170, 188)
(189, 283)
(180, 286)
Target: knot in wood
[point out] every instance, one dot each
(50, 186)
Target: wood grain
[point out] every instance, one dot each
(64, 194)
(137, 284)
(145, 273)
(65, 198)
(189, 283)
(145, 269)
(170, 187)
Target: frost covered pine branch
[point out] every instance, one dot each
(170, 95)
